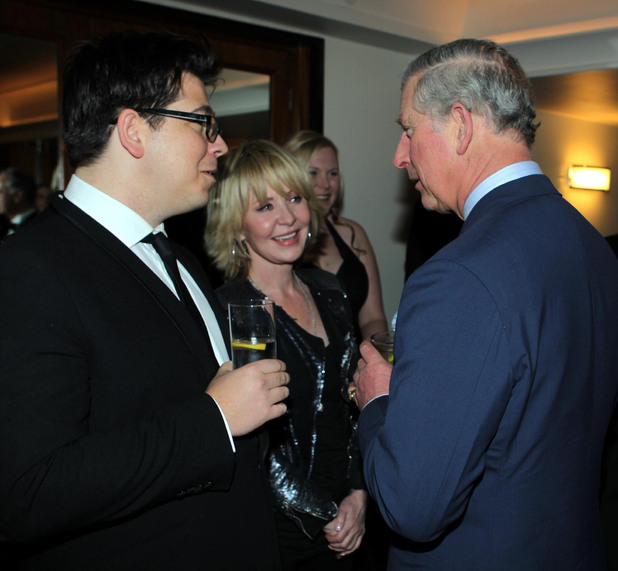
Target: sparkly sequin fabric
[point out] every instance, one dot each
(313, 457)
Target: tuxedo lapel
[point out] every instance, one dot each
(147, 279)
(198, 274)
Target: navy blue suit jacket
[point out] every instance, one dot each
(486, 454)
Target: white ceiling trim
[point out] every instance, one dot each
(547, 32)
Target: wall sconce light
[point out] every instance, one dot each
(589, 178)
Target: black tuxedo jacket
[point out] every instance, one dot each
(112, 455)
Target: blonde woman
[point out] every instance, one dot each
(261, 215)
(344, 248)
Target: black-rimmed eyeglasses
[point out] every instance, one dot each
(211, 126)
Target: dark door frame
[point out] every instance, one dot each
(294, 62)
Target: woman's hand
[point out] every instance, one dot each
(345, 532)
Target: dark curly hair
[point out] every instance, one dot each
(125, 70)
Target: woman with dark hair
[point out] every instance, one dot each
(261, 215)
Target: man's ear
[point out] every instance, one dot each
(464, 125)
(130, 132)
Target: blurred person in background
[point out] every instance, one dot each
(343, 248)
(17, 197)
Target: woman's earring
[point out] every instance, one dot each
(237, 259)
(308, 240)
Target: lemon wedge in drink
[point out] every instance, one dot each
(257, 346)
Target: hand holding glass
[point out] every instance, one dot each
(252, 331)
(384, 342)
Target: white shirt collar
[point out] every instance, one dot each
(507, 174)
(19, 218)
(124, 223)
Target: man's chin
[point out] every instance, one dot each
(430, 203)
(427, 200)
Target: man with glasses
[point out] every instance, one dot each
(127, 440)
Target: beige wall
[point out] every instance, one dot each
(361, 107)
(562, 141)
(361, 104)
(361, 100)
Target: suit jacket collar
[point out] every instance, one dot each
(153, 286)
(511, 192)
(193, 266)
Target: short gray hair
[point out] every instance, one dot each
(481, 75)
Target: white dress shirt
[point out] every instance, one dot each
(507, 174)
(130, 228)
(19, 218)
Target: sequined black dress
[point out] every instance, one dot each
(313, 456)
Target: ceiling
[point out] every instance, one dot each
(439, 21)
(585, 88)
(398, 24)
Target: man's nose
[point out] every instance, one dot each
(402, 153)
(219, 147)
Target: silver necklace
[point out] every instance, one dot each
(307, 300)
